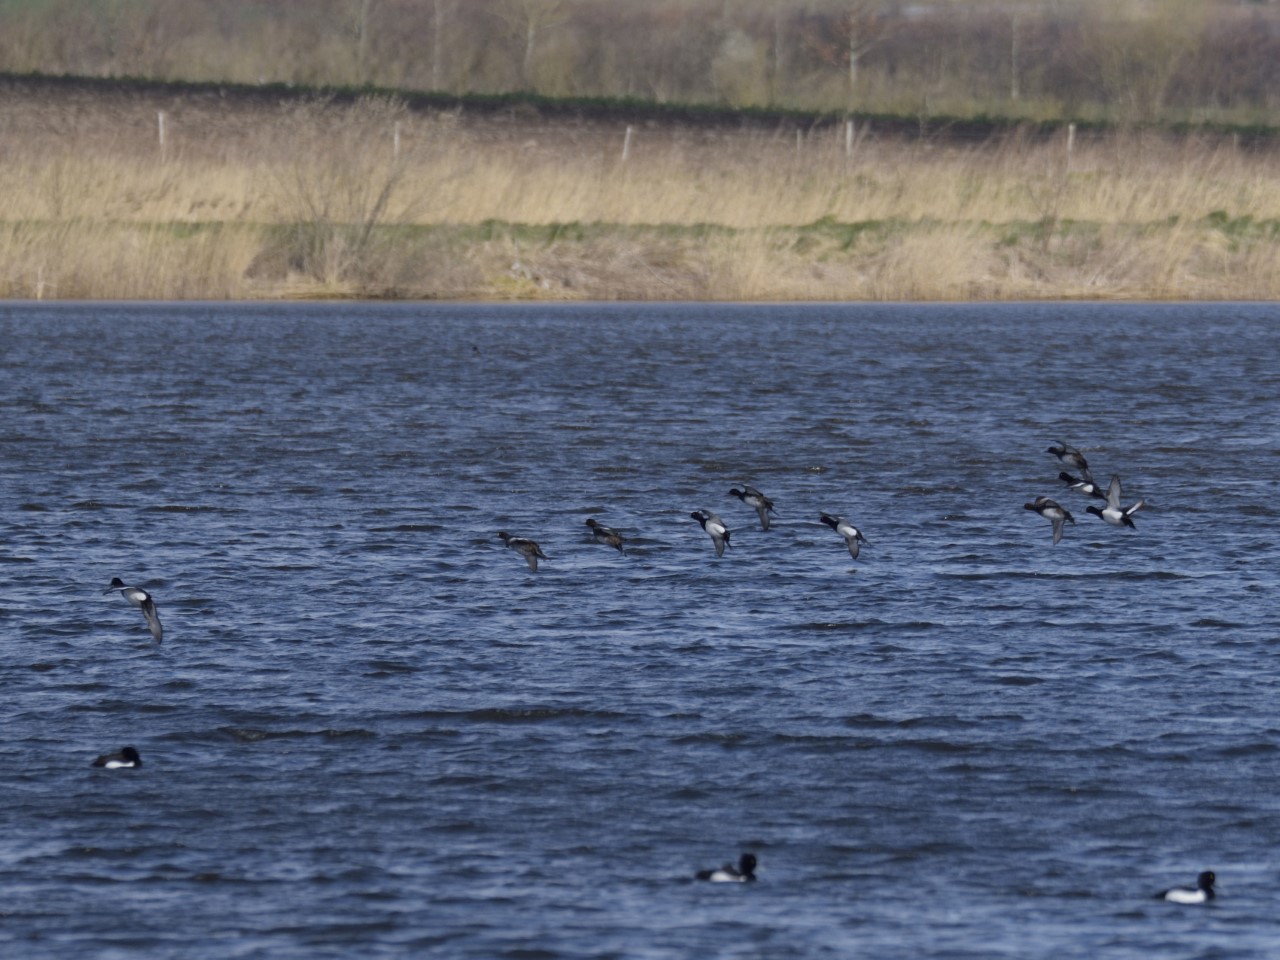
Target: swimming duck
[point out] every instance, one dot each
(744, 872)
(1113, 513)
(1202, 893)
(125, 759)
(715, 529)
(605, 535)
(852, 535)
(752, 497)
(140, 598)
(1051, 510)
(526, 547)
(1071, 457)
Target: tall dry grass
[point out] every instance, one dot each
(369, 199)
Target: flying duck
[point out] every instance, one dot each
(754, 498)
(605, 535)
(1051, 510)
(852, 535)
(1113, 513)
(140, 598)
(1071, 457)
(715, 528)
(1087, 487)
(527, 548)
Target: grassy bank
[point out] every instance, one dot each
(249, 198)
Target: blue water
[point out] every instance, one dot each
(372, 731)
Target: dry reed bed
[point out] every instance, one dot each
(315, 199)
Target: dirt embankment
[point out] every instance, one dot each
(134, 189)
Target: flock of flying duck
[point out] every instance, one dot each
(745, 869)
(1055, 513)
(711, 523)
(720, 534)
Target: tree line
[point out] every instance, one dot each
(1126, 60)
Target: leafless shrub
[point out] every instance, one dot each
(344, 179)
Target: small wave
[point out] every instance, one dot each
(385, 667)
(726, 740)
(832, 626)
(256, 735)
(187, 508)
(518, 714)
(1249, 750)
(932, 746)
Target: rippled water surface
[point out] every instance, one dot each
(372, 731)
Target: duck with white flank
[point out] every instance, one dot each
(606, 535)
(715, 529)
(1113, 513)
(126, 759)
(525, 547)
(1080, 485)
(1052, 511)
(744, 872)
(141, 599)
(1071, 457)
(852, 535)
(1202, 893)
(753, 498)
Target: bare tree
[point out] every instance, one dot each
(847, 38)
(362, 40)
(1137, 56)
(438, 8)
(529, 19)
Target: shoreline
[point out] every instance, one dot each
(150, 194)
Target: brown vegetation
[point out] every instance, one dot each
(268, 197)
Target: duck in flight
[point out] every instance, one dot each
(753, 498)
(1113, 513)
(525, 547)
(1071, 457)
(715, 529)
(1052, 511)
(141, 599)
(852, 535)
(1079, 484)
(606, 535)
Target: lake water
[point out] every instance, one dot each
(371, 731)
